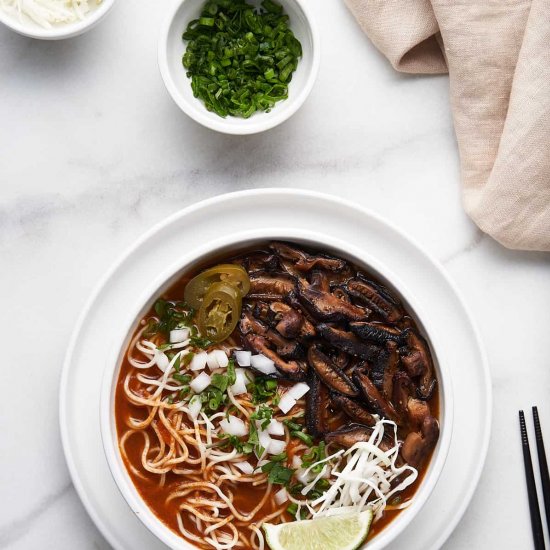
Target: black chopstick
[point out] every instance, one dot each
(536, 523)
(543, 466)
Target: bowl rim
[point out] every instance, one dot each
(257, 123)
(62, 31)
(123, 333)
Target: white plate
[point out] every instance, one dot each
(237, 212)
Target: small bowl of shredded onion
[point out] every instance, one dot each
(53, 19)
(239, 66)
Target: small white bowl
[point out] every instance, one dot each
(122, 334)
(172, 48)
(27, 27)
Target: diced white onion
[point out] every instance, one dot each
(233, 425)
(221, 357)
(195, 407)
(286, 403)
(179, 335)
(199, 361)
(245, 467)
(212, 360)
(276, 447)
(162, 361)
(239, 387)
(243, 375)
(200, 383)
(275, 428)
(296, 462)
(281, 496)
(264, 439)
(243, 358)
(263, 364)
(298, 390)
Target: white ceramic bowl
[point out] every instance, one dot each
(122, 334)
(172, 48)
(28, 27)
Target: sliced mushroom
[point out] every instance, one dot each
(315, 407)
(417, 411)
(270, 286)
(378, 364)
(290, 324)
(390, 370)
(401, 392)
(294, 370)
(376, 298)
(303, 261)
(353, 409)
(373, 397)
(288, 321)
(418, 362)
(249, 323)
(340, 293)
(319, 281)
(347, 436)
(325, 306)
(340, 359)
(287, 349)
(417, 446)
(329, 373)
(260, 261)
(377, 333)
(346, 341)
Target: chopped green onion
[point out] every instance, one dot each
(207, 21)
(240, 59)
(306, 438)
(292, 509)
(182, 378)
(292, 426)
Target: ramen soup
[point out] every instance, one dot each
(276, 386)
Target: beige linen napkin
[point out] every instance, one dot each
(497, 53)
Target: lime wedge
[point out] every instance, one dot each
(343, 532)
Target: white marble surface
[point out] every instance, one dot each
(93, 152)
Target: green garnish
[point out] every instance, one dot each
(277, 473)
(295, 488)
(220, 381)
(315, 455)
(182, 378)
(231, 374)
(292, 426)
(292, 509)
(183, 392)
(240, 59)
(199, 342)
(223, 381)
(263, 389)
(306, 438)
(186, 359)
(172, 315)
(244, 447)
(264, 415)
(212, 398)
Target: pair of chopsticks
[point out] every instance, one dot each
(536, 522)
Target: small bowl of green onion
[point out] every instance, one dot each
(239, 66)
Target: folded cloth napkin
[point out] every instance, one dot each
(497, 53)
